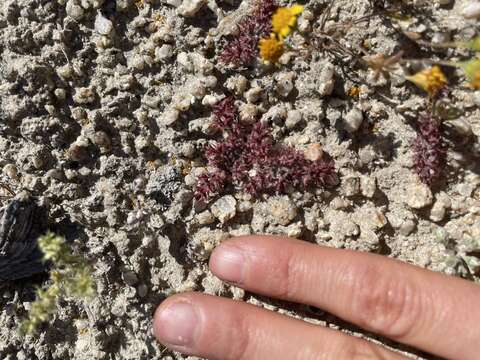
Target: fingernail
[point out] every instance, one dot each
(228, 263)
(177, 324)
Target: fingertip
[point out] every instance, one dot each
(177, 322)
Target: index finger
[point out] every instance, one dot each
(430, 311)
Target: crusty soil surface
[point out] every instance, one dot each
(105, 108)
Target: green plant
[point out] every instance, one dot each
(70, 276)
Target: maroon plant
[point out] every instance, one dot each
(249, 158)
(241, 50)
(429, 150)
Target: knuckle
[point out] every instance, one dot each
(244, 334)
(284, 282)
(386, 304)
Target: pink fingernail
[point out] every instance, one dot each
(177, 324)
(228, 263)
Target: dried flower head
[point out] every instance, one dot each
(383, 65)
(431, 80)
(285, 19)
(472, 72)
(270, 49)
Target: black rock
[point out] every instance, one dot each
(22, 221)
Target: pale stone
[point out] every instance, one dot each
(368, 186)
(353, 120)
(103, 26)
(281, 210)
(190, 7)
(224, 208)
(313, 152)
(419, 196)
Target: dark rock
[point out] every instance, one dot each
(22, 221)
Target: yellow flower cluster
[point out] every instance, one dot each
(431, 80)
(284, 21)
(271, 49)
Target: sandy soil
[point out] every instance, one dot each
(105, 107)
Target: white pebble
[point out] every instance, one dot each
(224, 208)
(164, 52)
(407, 227)
(169, 117)
(253, 95)
(285, 83)
(293, 118)
(419, 196)
(313, 152)
(438, 211)
(210, 100)
(11, 171)
(471, 10)
(74, 10)
(190, 7)
(353, 120)
(368, 186)
(184, 60)
(326, 80)
(237, 84)
(102, 25)
(248, 113)
(281, 209)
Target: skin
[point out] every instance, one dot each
(429, 311)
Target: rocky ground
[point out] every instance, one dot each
(105, 107)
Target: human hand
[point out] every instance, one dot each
(430, 311)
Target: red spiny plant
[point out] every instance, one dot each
(249, 158)
(241, 50)
(429, 150)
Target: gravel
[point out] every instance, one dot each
(106, 107)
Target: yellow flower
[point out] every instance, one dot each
(270, 49)
(472, 72)
(431, 80)
(354, 91)
(285, 19)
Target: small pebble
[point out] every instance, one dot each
(294, 117)
(224, 208)
(237, 84)
(11, 171)
(438, 211)
(368, 186)
(353, 120)
(285, 83)
(253, 95)
(248, 113)
(205, 218)
(407, 227)
(74, 10)
(313, 152)
(419, 196)
(102, 25)
(164, 52)
(190, 7)
(471, 10)
(281, 210)
(351, 185)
